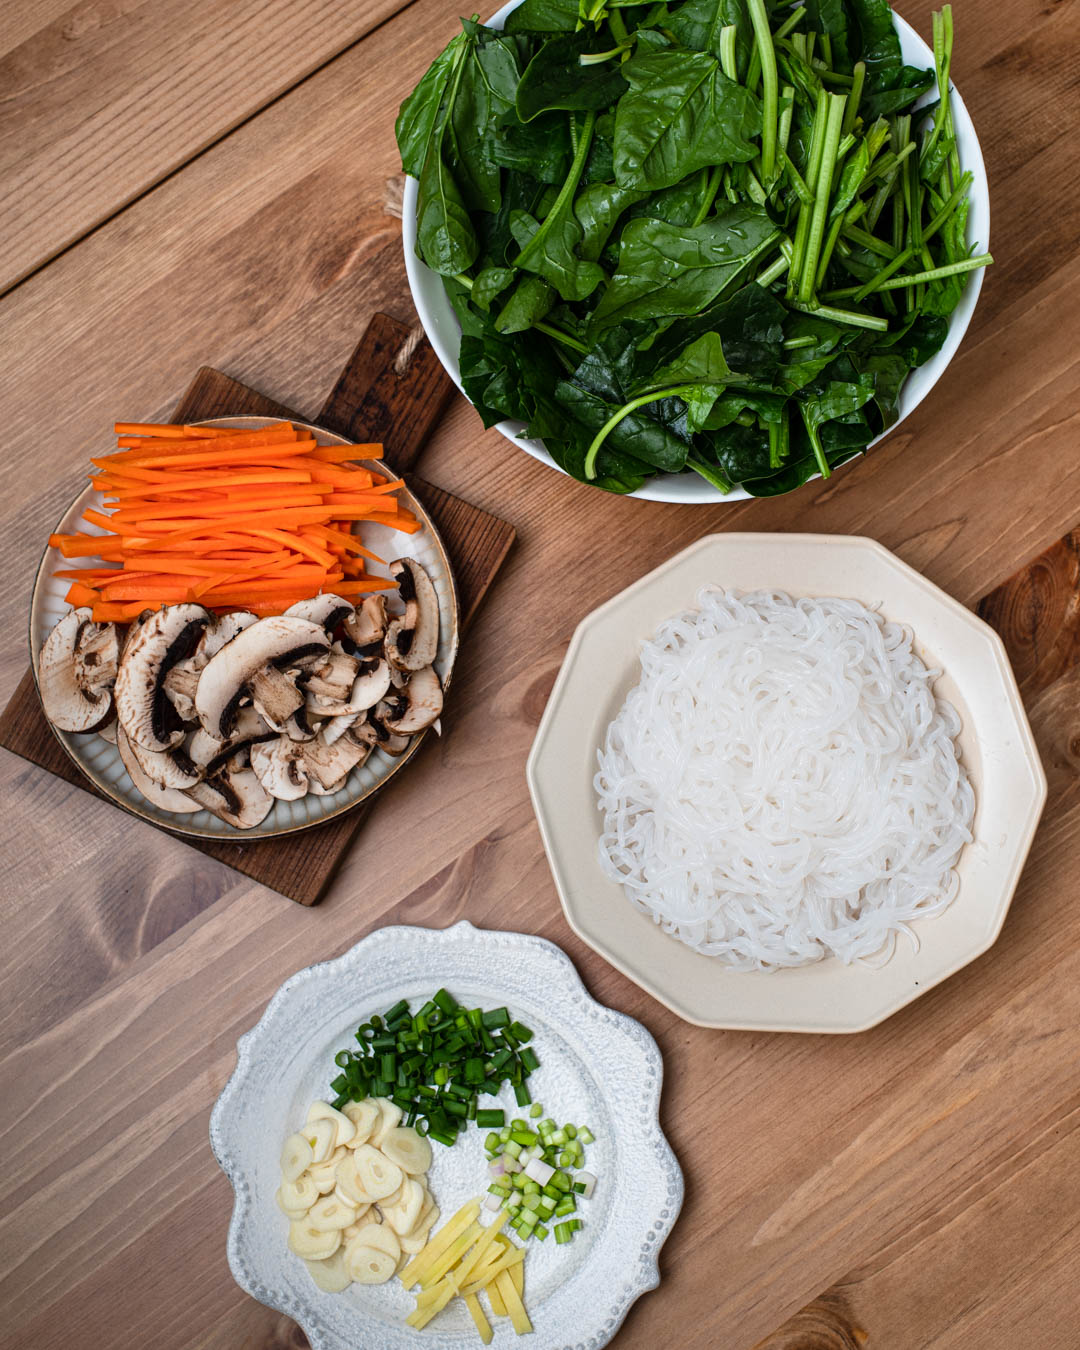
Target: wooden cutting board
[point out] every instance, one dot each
(392, 390)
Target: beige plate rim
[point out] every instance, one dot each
(234, 835)
(667, 972)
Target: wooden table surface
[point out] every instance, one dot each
(186, 182)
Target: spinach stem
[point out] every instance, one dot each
(565, 194)
(617, 26)
(815, 441)
(958, 195)
(787, 112)
(777, 267)
(796, 16)
(938, 273)
(464, 279)
(711, 475)
(560, 336)
(769, 86)
(728, 63)
(712, 186)
(823, 191)
(852, 109)
(848, 316)
(677, 391)
(813, 160)
(797, 181)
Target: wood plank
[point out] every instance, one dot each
(102, 102)
(805, 1174)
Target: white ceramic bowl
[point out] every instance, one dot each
(996, 745)
(597, 1067)
(441, 325)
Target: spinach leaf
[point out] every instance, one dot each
(655, 435)
(697, 23)
(734, 402)
(529, 301)
(555, 79)
(445, 236)
(417, 116)
(543, 16)
(669, 269)
(557, 262)
(680, 113)
(598, 209)
(890, 85)
(750, 324)
(489, 283)
(540, 148)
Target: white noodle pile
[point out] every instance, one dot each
(781, 784)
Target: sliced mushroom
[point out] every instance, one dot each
(328, 610)
(336, 727)
(167, 636)
(276, 695)
(279, 767)
(363, 733)
(331, 682)
(168, 799)
(424, 701)
(242, 668)
(389, 741)
(235, 796)
(77, 671)
(211, 755)
(367, 626)
(367, 689)
(301, 726)
(182, 681)
(108, 731)
(412, 641)
(329, 765)
(168, 768)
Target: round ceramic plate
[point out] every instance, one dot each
(597, 1067)
(996, 745)
(100, 760)
(444, 332)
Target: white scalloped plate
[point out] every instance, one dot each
(100, 761)
(597, 1067)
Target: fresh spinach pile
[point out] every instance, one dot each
(710, 235)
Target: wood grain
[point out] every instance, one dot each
(919, 1180)
(379, 378)
(102, 100)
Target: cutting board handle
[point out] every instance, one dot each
(373, 401)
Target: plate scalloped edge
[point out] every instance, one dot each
(559, 969)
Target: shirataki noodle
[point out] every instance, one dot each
(781, 784)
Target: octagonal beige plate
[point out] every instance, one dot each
(100, 761)
(996, 745)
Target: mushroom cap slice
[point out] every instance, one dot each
(300, 727)
(276, 695)
(182, 681)
(279, 767)
(269, 644)
(412, 641)
(328, 610)
(367, 626)
(235, 796)
(71, 696)
(329, 765)
(167, 636)
(423, 703)
(389, 742)
(172, 768)
(330, 681)
(167, 799)
(370, 685)
(210, 754)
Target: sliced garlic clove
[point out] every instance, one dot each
(367, 1266)
(403, 1215)
(312, 1243)
(377, 1175)
(331, 1213)
(320, 1135)
(324, 1175)
(389, 1118)
(364, 1116)
(379, 1236)
(348, 1183)
(296, 1157)
(409, 1150)
(299, 1194)
(300, 1213)
(324, 1111)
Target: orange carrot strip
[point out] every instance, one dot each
(360, 586)
(391, 485)
(170, 429)
(87, 573)
(79, 594)
(355, 499)
(398, 522)
(149, 590)
(97, 518)
(338, 454)
(336, 474)
(104, 612)
(301, 545)
(205, 509)
(91, 546)
(382, 506)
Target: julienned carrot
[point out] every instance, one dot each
(78, 594)
(168, 429)
(257, 518)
